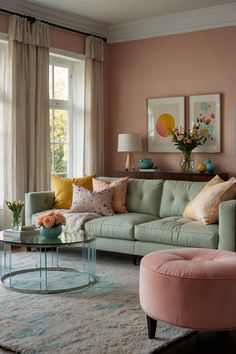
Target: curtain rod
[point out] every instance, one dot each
(33, 19)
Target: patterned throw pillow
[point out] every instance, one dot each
(205, 206)
(119, 195)
(96, 202)
(63, 189)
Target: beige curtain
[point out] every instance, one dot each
(27, 132)
(94, 120)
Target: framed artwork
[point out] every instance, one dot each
(205, 113)
(164, 114)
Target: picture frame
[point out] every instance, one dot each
(205, 113)
(164, 114)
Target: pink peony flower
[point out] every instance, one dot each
(50, 219)
(60, 219)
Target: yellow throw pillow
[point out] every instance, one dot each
(205, 206)
(63, 189)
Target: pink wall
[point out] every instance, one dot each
(3, 22)
(186, 64)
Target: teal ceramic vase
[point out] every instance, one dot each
(51, 233)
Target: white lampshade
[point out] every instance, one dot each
(129, 142)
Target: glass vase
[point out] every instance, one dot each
(16, 221)
(187, 162)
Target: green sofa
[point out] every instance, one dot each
(154, 220)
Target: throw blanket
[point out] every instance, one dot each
(76, 221)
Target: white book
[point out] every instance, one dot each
(149, 169)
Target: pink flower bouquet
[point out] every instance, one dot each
(51, 219)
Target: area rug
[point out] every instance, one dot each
(106, 318)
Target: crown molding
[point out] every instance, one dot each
(56, 17)
(188, 21)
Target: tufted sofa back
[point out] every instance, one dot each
(143, 195)
(176, 195)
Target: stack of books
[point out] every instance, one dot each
(24, 231)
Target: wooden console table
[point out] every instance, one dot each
(175, 175)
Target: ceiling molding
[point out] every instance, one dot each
(63, 18)
(188, 21)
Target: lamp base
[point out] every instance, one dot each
(129, 164)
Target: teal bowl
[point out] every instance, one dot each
(51, 233)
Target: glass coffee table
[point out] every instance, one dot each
(47, 269)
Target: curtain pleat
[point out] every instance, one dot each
(94, 114)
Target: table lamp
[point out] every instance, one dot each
(129, 143)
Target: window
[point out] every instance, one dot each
(66, 93)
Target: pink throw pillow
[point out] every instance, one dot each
(96, 202)
(119, 195)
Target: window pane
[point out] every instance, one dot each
(60, 152)
(51, 124)
(61, 83)
(50, 82)
(60, 123)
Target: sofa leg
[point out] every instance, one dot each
(136, 260)
(152, 325)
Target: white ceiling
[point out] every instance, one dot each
(119, 11)
(125, 20)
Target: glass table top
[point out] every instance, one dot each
(66, 238)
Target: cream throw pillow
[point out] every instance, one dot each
(205, 206)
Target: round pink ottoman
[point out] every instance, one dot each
(193, 288)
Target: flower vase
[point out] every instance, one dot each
(52, 232)
(16, 221)
(187, 162)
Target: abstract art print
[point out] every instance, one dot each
(205, 113)
(164, 114)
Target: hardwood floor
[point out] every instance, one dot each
(204, 343)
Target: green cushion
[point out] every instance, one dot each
(144, 196)
(179, 231)
(119, 226)
(176, 195)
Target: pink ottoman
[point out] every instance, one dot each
(193, 288)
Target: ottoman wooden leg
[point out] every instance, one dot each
(152, 325)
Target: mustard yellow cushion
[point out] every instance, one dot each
(205, 206)
(63, 189)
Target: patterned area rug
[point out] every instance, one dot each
(106, 318)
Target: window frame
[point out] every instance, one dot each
(64, 105)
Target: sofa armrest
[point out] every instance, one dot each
(227, 226)
(37, 201)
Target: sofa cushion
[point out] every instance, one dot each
(176, 195)
(99, 202)
(119, 226)
(119, 192)
(144, 196)
(179, 231)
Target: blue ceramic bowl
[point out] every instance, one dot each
(51, 233)
(145, 163)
